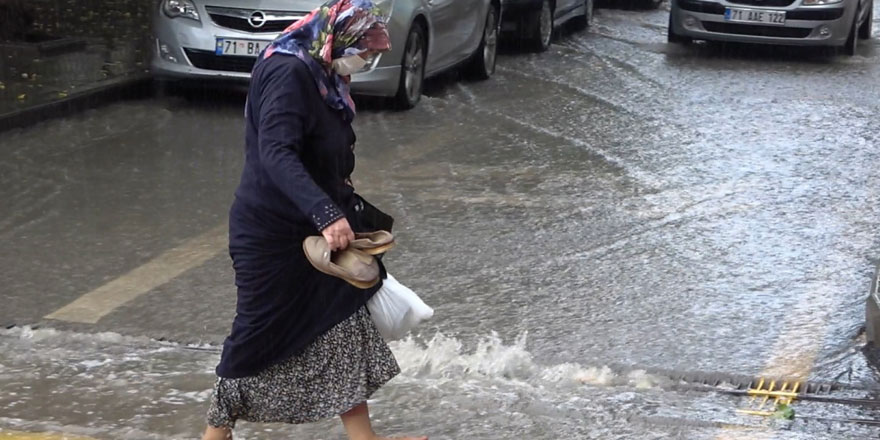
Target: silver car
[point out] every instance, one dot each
(839, 23)
(220, 39)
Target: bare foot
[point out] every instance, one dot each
(212, 433)
(357, 425)
(402, 438)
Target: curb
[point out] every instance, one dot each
(107, 92)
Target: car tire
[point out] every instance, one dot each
(586, 20)
(482, 66)
(851, 47)
(540, 27)
(412, 69)
(674, 38)
(866, 30)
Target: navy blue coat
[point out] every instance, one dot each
(295, 182)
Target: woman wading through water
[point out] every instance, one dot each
(303, 346)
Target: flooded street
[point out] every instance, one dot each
(592, 225)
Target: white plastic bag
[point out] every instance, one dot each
(396, 309)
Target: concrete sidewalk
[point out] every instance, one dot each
(78, 53)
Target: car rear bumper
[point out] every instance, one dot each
(804, 26)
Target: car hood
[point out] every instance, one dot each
(266, 5)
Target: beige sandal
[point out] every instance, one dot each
(373, 243)
(352, 265)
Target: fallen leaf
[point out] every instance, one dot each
(22, 97)
(783, 412)
(62, 94)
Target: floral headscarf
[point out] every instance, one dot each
(336, 29)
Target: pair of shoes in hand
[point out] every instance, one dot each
(355, 264)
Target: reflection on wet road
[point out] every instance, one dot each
(591, 218)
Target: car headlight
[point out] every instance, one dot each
(180, 8)
(820, 2)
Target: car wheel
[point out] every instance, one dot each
(412, 70)
(867, 28)
(586, 20)
(541, 27)
(483, 65)
(674, 38)
(851, 47)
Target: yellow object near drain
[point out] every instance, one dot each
(782, 396)
(18, 435)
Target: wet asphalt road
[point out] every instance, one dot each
(591, 216)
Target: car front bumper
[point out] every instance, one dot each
(184, 49)
(827, 25)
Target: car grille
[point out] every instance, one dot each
(817, 15)
(701, 6)
(208, 60)
(756, 30)
(764, 3)
(240, 19)
(241, 24)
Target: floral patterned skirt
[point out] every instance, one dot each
(337, 372)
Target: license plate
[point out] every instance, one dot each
(775, 18)
(242, 48)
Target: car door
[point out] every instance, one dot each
(454, 27)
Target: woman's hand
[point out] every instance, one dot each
(338, 234)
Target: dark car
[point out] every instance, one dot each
(872, 316)
(533, 21)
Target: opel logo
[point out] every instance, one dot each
(257, 19)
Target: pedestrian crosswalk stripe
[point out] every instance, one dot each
(93, 306)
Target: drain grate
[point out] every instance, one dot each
(741, 384)
(761, 395)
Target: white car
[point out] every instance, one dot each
(220, 39)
